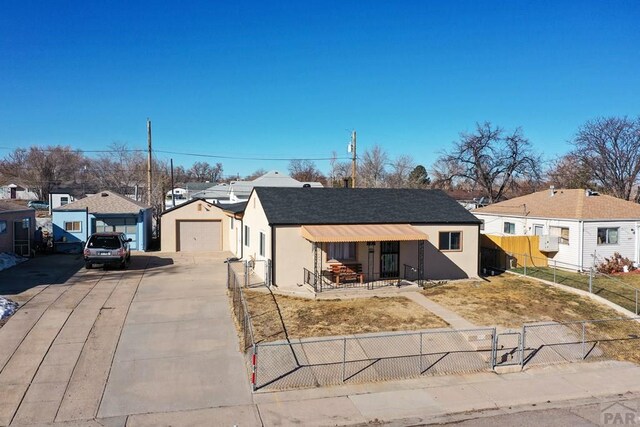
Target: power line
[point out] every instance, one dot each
(251, 158)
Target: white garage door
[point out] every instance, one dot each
(199, 236)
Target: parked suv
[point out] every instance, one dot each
(107, 248)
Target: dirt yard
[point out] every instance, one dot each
(509, 301)
(314, 318)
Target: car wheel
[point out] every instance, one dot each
(123, 264)
(88, 265)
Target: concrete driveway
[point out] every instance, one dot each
(96, 344)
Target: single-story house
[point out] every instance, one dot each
(194, 226)
(13, 191)
(104, 211)
(308, 235)
(576, 227)
(17, 227)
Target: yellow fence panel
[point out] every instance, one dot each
(507, 251)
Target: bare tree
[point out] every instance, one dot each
(203, 172)
(372, 168)
(121, 169)
(43, 168)
(305, 171)
(569, 171)
(491, 159)
(610, 149)
(401, 168)
(256, 174)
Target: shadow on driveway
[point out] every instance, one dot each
(53, 269)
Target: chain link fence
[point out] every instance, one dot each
(236, 280)
(605, 285)
(304, 363)
(369, 358)
(553, 342)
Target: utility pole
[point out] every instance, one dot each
(149, 198)
(353, 159)
(173, 196)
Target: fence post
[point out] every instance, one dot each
(637, 302)
(590, 280)
(254, 367)
(494, 349)
(525, 264)
(555, 264)
(583, 342)
(420, 353)
(344, 357)
(522, 345)
(228, 275)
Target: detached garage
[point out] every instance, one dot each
(195, 226)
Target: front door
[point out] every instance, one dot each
(538, 230)
(389, 259)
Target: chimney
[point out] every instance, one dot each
(552, 190)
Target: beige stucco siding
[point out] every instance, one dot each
(451, 264)
(256, 222)
(294, 253)
(196, 211)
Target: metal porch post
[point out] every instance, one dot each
(315, 267)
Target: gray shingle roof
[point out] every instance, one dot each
(106, 202)
(360, 206)
(12, 207)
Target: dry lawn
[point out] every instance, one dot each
(305, 318)
(510, 301)
(619, 289)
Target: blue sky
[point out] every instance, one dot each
(291, 79)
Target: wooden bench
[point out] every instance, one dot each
(346, 273)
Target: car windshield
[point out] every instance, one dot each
(104, 242)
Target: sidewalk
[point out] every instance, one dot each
(421, 401)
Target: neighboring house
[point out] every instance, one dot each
(576, 227)
(59, 197)
(383, 233)
(104, 211)
(17, 192)
(179, 194)
(194, 226)
(239, 191)
(17, 226)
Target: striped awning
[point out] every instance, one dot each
(362, 233)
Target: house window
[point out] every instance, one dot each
(482, 225)
(73, 226)
(64, 201)
(562, 233)
(607, 236)
(3, 227)
(342, 251)
(450, 241)
(231, 223)
(510, 228)
(246, 235)
(263, 240)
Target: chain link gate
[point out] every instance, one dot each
(508, 349)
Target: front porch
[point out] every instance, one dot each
(364, 256)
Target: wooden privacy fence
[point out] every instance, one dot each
(504, 252)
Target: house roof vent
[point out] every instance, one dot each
(306, 186)
(588, 192)
(104, 194)
(552, 190)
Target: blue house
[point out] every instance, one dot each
(73, 223)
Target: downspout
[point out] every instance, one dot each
(241, 238)
(86, 229)
(581, 244)
(273, 254)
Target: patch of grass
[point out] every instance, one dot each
(315, 318)
(619, 289)
(509, 301)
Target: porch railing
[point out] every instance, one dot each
(370, 281)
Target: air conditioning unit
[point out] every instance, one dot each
(549, 243)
